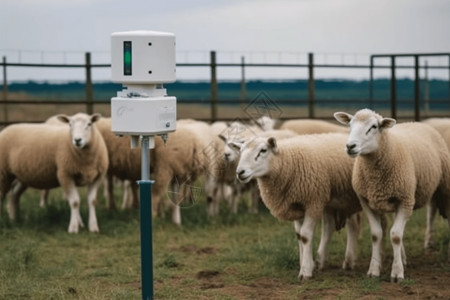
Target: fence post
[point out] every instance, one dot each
(243, 86)
(371, 83)
(416, 89)
(311, 85)
(89, 92)
(393, 89)
(214, 88)
(5, 92)
(449, 77)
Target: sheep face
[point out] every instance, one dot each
(366, 128)
(234, 134)
(255, 158)
(80, 128)
(266, 123)
(231, 154)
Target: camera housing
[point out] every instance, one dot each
(143, 61)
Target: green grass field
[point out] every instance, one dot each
(238, 256)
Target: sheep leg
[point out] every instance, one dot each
(44, 198)
(298, 227)
(211, 188)
(254, 198)
(431, 213)
(160, 187)
(306, 237)
(234, 201)
(176, 199)
(14, 200)
(2, 197)
(353, 224)
(130, 195)
(448, 220)
(109, 192)
(72, 196)
(328, 227)
(92, 201)
(402, 250)
(126, 197)
(134, 193)
(396, 234)
(376, 230)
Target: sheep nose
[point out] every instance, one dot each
(241, 172)
(350, 146)
(77, 141)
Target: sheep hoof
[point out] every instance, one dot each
(348, 265)
(304, 278)
(73, 229)
(94, 228)
(396, 279)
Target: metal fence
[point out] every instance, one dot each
(311, 101)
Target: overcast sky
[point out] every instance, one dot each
(228, 26)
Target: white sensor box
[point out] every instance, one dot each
(142, 61)
(143, 116)
(142, 57)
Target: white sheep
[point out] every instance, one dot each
(124, 163)
(442, 125)
(397, 169)
(226, 159)
(303, 179)
(266, 123)
(186, 156)
(216, 189)
(312, 126)
(175, 164)
(300, 126)
(228, 162)
(45, 156)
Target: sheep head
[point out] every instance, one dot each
(255, 157)
(80, 127)
(366, 127)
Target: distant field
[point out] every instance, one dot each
(238, 256)
(40, 112)
(291, 97)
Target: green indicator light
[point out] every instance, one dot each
(127, 60)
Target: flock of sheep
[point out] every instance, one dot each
(304, 171)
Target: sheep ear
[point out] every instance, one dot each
(343, 117)
(63, 118)
(272, 142)
(387, 123)
(95, 117)
(257, 123)
(235, 145)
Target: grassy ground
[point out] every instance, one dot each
(238, 256)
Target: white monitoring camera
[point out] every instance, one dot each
(143, 61)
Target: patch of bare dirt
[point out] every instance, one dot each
(210, 279)
(425, 278)
(191, 249)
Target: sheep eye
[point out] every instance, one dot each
(263, 150)
(372, 127)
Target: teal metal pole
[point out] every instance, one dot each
(145, 206)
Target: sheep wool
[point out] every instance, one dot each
(310, 126)
(397, 169)
(302, 179)
(44, 156)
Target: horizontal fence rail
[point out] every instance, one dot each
(311, 101)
